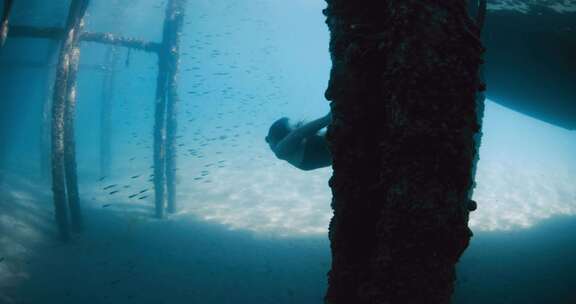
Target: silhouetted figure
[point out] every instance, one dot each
(301, 145)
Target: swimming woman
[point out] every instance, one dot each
(301, 145)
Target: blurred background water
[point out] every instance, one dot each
(250, 228)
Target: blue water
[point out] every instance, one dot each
(250, 228)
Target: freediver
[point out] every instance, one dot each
(301, 145)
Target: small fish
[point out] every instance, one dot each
(110, 186)
(116, 191)
(142, 191)
(143, 197)
(133, 158)
(134, 176)
(133, 195)
(102, 178)
(106, 205)
(127, 60)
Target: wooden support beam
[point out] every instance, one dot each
(165, 103)
(69, 138)
(63, 166)
(109, 38)
(175, 21)
(159, 157)
(104, 38)
(47, 69)
(44, 65)
(165, 109)
(404, 89)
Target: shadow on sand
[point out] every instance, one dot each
(125, 256)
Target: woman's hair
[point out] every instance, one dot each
(278, 130)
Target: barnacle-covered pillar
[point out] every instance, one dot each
(165, 109)
(70, 142)
(403, 88)
(64, 184)
(45, 124)
(172, 39)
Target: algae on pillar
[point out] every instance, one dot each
(70, 143)
(45, 129)
(172, 41)
(165, 111)
(64, 184)
(403, 87)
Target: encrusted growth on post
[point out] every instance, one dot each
(63, 104)
(165, 117)
(132, 43)
(69, 140)
(104, 38)
(65, 187)
(403, 88)
(45, 129)
(174, 30)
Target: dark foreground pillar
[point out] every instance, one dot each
(403, 86)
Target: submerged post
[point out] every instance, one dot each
(45, 125)
(64, 186)
(69, 141)
(173, 31)
(403, 88)
(165, 109)
(64, 101)
(160, 138)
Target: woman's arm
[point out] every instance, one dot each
(293, 141)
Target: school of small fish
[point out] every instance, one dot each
(216, 111)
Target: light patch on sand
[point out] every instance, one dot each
(520, 181)
(278, 201)
(511, 197)
(272, 199)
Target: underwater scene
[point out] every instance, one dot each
(201, 87)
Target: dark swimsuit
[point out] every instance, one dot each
(315, 152)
